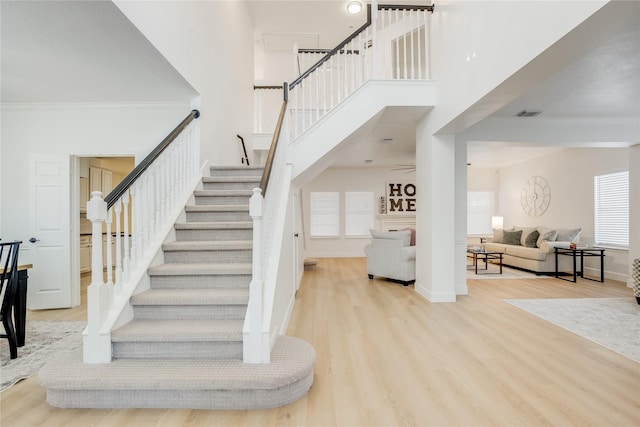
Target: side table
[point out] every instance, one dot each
(580, 253)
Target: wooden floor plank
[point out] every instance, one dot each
(388, 357)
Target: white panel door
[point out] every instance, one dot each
(49, 284)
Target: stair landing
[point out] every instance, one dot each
(182, 383)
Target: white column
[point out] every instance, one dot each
(634, 208)
(435, 219)
(461, 217)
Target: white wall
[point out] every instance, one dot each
(342, 180)
(570, 175)
(211, 44)
(73, 129)
(477, 45)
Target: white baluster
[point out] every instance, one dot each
(109, 260)
(127, 255)
(117, 209)
(427, 68)
(420, 75)
(316, 81)
(411, 30)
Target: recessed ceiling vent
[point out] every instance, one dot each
(525, 113)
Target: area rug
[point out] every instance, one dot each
(613, 323)
(493, 272)
(44, 339)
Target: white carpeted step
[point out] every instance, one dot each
(200, 275)
(222, 197)
(182, 383)
(237, 171)
(217, 213)
(219, 230)
(212, 304)
(208, 251)
(195, 339)
(230, 182)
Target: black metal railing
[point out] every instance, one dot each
(128, 181)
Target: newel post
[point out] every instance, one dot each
(252, 345)
(97, 347)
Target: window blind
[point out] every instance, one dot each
(325, 214)
(479, 212)
(358, 216)
(611, 196)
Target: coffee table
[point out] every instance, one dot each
(486, 257)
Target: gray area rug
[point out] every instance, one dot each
(613, 323)
(493, 272)
(44, 340)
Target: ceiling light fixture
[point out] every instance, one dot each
(354, 7)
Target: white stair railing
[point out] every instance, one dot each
(392, 45)
(143, 207)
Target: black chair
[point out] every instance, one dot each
(8, 290)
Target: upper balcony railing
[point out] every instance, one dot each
(392, 45)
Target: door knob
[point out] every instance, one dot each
(33, 240)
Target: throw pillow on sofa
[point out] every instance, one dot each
(512, 237)
(403, 236)
(526, 231)
(569, 234)
(531, 240)
(546, 234)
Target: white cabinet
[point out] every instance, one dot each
(85, 254)
(100, 180)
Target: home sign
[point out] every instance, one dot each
(401, 197)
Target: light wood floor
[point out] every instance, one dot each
(387, 357)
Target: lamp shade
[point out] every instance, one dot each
(497, 222)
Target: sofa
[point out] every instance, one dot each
(392, 255)
(532, 248)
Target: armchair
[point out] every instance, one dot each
(390, 255)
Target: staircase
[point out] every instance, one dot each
(183, 348)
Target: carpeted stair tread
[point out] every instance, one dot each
(217, 208)
(209, 245)
(149, 330)
(213, 225)
(188, 297)
(223, 193)
(291, 360)
(231, 179)
(197, 269)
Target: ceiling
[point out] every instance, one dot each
(603, 83)
(82, 45)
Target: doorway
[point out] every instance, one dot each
(94, 173)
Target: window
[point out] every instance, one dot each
(325, 214)
(358, 215)
(479, 212)
(611, 194)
